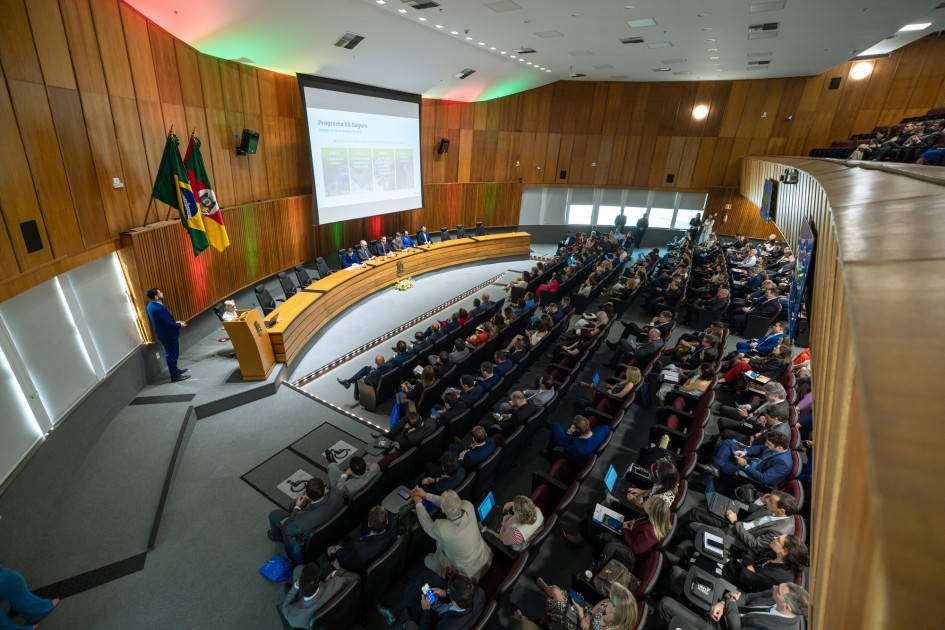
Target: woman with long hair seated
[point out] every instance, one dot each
(772, 366)
(665, 487)
(697, 382)
(640, 534)
(520, 522)
(759, 570)
(617, 612)
(620, 389)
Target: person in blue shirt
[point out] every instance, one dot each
(766, 344)
(480, 447)
(349, 258)
(501, 363)
(423, 237)
(167, 330)
(406, 240)
(579, 440)
(768, 463)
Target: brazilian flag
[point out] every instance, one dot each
(172, 186)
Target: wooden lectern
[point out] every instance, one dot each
(251, 343)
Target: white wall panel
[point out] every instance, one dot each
(19, 430)
(43, 331)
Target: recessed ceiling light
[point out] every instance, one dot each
(381, 1)
(401, 10)
(709, 41)
(439, 26)
(454, 32)
(706, 28)
(482, 43)
(521, 59)
(528, 63)
(861, 70)
(423, 19)
(702, 15)
(660, 45)
(547, 70)
(468, 39)
(575, 15)
(713, 58)
(700, 111)
(662, 69)
(630, 6)
(491, 47)
(502, 53)
(713, 50)
(512, 56)
(641, 23)
(915, 27)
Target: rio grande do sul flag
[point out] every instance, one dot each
(203, 191)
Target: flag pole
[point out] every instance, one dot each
(147, 212)
(170, 132)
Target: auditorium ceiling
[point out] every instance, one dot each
(422, 46)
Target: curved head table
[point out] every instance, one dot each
(304, 314)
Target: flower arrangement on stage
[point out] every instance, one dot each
(403, 285)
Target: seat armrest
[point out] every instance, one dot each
(545, 478)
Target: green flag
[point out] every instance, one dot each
(172, 186)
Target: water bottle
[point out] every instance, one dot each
(664, 441)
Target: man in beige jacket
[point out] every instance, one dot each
(459, 543)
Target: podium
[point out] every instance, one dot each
(252, 345)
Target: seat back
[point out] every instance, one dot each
(460, 232)
(367, 395)
(647, 570)
(366, 498)
(340, 609)
(329, 533)
(322, 267)
(465, 489)
(486, 473)
(288, 287)
(383, 572)
(265, 299)
(302, 275)
(219, 309)
(432, 445)
(511, 449)
(402, 470)
(444, 234)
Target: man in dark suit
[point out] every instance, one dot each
(480, 447)
(767, 308)
(763, 523)
(315, 505)
(767, 463)
(349, 258)
(505, 422)
(781, 608)
(423, 237)
(363, 252)
(370, 375)
(642, 224)
(501, 363)
(377, 535)
(451, 408)
(470, 391)
(446, 474)
(488, 378)
(580, 440)
(663, 322)
(167, 330)
(382, 248)
(642, 353)
(717, 305)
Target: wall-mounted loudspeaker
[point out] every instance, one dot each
(443, 145)
(248, 142)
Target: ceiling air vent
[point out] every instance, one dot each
(767, 26)
(462, 74)
(764, 62)
(524, 50)
(420, 4)
(576, 75)
(349, 40)
(631, 40)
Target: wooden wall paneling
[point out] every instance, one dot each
(927, 85)
(687, 161)
(66, 111)
(733, 169)
(613, 102)
(137, 176)
(669, 107)
(304, 158)
(605, 152)
(17, 50)
(9, 267)
(536, 112)
(703, 163)
(656, 174)
(38, 135)
(464, 169)
(632, 161)
(576, 161)
(594, 119)
(105, 155)
(111, 44)
(878, 83)
(188, 70)
(140, 59)
(233, 102)
(674, 159)
(17, 195)
(787, 106)
(687, 101)
(616, 166)
(770, 106)
(485, 144)
(217, 142)
(736, 103)
(252, 119)
(49, 37)
(83, 45)
(562, 161)
(503, 169)
(153, 134)
(751, 112)
(721, 92)
(166, 71)
(720, 159)
(535, 157)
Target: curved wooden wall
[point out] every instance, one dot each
(744, 217)
(91, 86)
(877, 295)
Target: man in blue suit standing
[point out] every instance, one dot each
(423, 237)
(167, 331)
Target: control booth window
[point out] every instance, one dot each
(661, 217)
(580, 214)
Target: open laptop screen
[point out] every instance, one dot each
(486, 506)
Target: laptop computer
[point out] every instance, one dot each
(596, 378)
(719, 504)
(489, 515)
(608, 518)
(616, 485)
